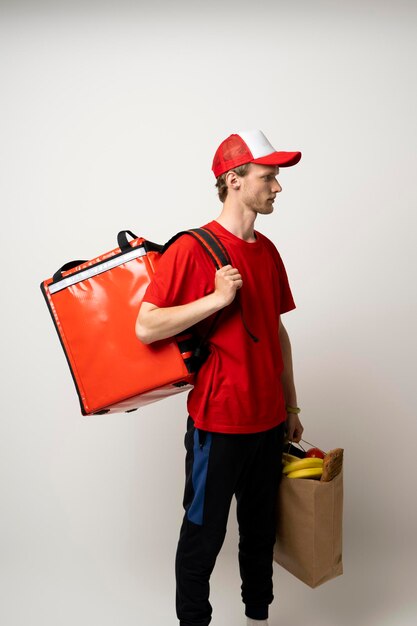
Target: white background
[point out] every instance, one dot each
(109, 120)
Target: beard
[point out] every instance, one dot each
(260, 205)
(265, 208)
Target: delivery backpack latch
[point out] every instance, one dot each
(94, 305)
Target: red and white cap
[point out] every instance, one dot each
(249, 146)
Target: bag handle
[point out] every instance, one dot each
(291, 443)
(68, 266)
(122, 241)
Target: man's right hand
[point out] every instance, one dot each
(227, 282)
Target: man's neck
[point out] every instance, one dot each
(241, 225)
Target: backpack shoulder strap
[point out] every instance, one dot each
(219, 255)
(206, 238)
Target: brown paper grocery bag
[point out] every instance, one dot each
(309, 528)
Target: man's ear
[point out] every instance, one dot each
(232, 180)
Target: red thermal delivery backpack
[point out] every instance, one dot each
(94, 305)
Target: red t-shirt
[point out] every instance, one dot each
(238, 388)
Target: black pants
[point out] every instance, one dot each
(218, 466)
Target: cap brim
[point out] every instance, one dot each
(285, 159)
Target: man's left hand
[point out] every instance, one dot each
(294, 428)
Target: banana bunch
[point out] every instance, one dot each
(294, 467)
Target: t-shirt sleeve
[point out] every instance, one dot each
(179, 278)
(286, 301)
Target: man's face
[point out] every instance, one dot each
(259, 188)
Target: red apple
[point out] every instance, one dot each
(315, 453)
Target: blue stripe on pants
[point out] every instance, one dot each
(199, 476)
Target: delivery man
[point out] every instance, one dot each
(243, 405)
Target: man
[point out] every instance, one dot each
(243, 403)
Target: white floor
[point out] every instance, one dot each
(375, 590)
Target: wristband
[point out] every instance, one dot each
(293, 409)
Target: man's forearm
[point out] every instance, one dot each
(287, 376)
(161, 323)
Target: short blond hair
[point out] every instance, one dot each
(221, 185)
